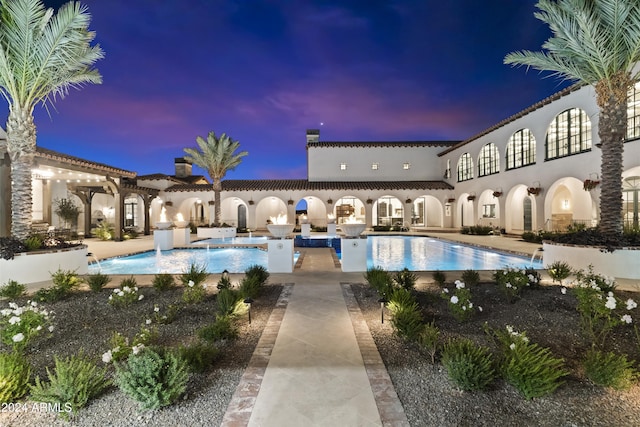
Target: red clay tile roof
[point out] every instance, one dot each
(305, 185)
(160, 176)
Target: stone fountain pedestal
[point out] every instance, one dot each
(163, 239)
(354, 253)
(305, 230)
(280, 255)
(332, 229)
(181, 236)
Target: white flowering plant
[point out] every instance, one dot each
(599, 308)
(121, 347)
(20, 324)
(194, 292)
(126, 294)
(164, 316)
(460, 303)
(512, 281)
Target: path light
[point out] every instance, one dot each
(248, 301)
(382, 302)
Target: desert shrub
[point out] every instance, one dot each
(380, 280)
(195, 273)
(64, 282)
(258, 271)
(224, 282)
(20, 324)
(610, 369)
(530, 368)
(469, 366)
(406, 316)
(512, 281)
(459, 302)
(559, 270)
(126, 294)
(250, 287)
(429, 340)
(199, 356)
(34, 242)
(12, 290)
(222, 329)
(120, 347)
(74, 381)
(228, 302)
(470, 277)
(194, 292)
(97, 281)
(166, 316)
(15, 373)
(163, 282)
(594, 280)
(439, 277)
(480, 230)
(405, 279)
(153, 378)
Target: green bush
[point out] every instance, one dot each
(193, 293)
(610, 369)
(459, 302)
(12, 290)
(15, 373)
(227, 301)
(125, 294)
(199, 356)
(97, 281)
(163, 282)
(401, 298)
(74, 381)
(406, 318)
(429, 340)
(512, 281)
(405, 279)
(20, 324)
(153, 378)
(222, 329)
(439, 277)
(195, 273)
(470, 366)
(258, 271)
(64, 282)
(104, 231)
(470, 277)
(250, 287)
(224, 282)
(559, 270)
(530, 368)
(34, 242)
(380, 280)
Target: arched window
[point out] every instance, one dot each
(465, 167)
(521, 149)
(633, 112)
(569, 133)
(489, 160)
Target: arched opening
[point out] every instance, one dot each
(349, 206)
(388, 211)
(242, 216)
(630, 190)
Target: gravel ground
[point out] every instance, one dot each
(87, 321)
(431, 399)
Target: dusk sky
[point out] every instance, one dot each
(265, 71)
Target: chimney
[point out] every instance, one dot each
(183, 167)
(313, 135)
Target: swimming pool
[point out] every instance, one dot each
(421, 253)
(257, 240)
(392, 253)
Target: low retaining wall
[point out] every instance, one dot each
(37, 266)
(216, 232)
(622, 263)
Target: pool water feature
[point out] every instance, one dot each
(258, 240)
(393, 253)
(176, 261)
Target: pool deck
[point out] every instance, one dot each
(316, 363)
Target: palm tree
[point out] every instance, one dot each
(596, 42)
(216, 156)
(42, 56)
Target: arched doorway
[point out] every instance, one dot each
(242, 216)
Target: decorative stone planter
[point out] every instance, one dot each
(621, 263)
(280, 230)
(37, 266)
(216, 232)
(353, 230)
(163, 225)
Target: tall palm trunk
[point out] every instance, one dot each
(612, 100)
(217, 189)
(21, 145)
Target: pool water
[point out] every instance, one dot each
(391, 253)
(419, 253)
